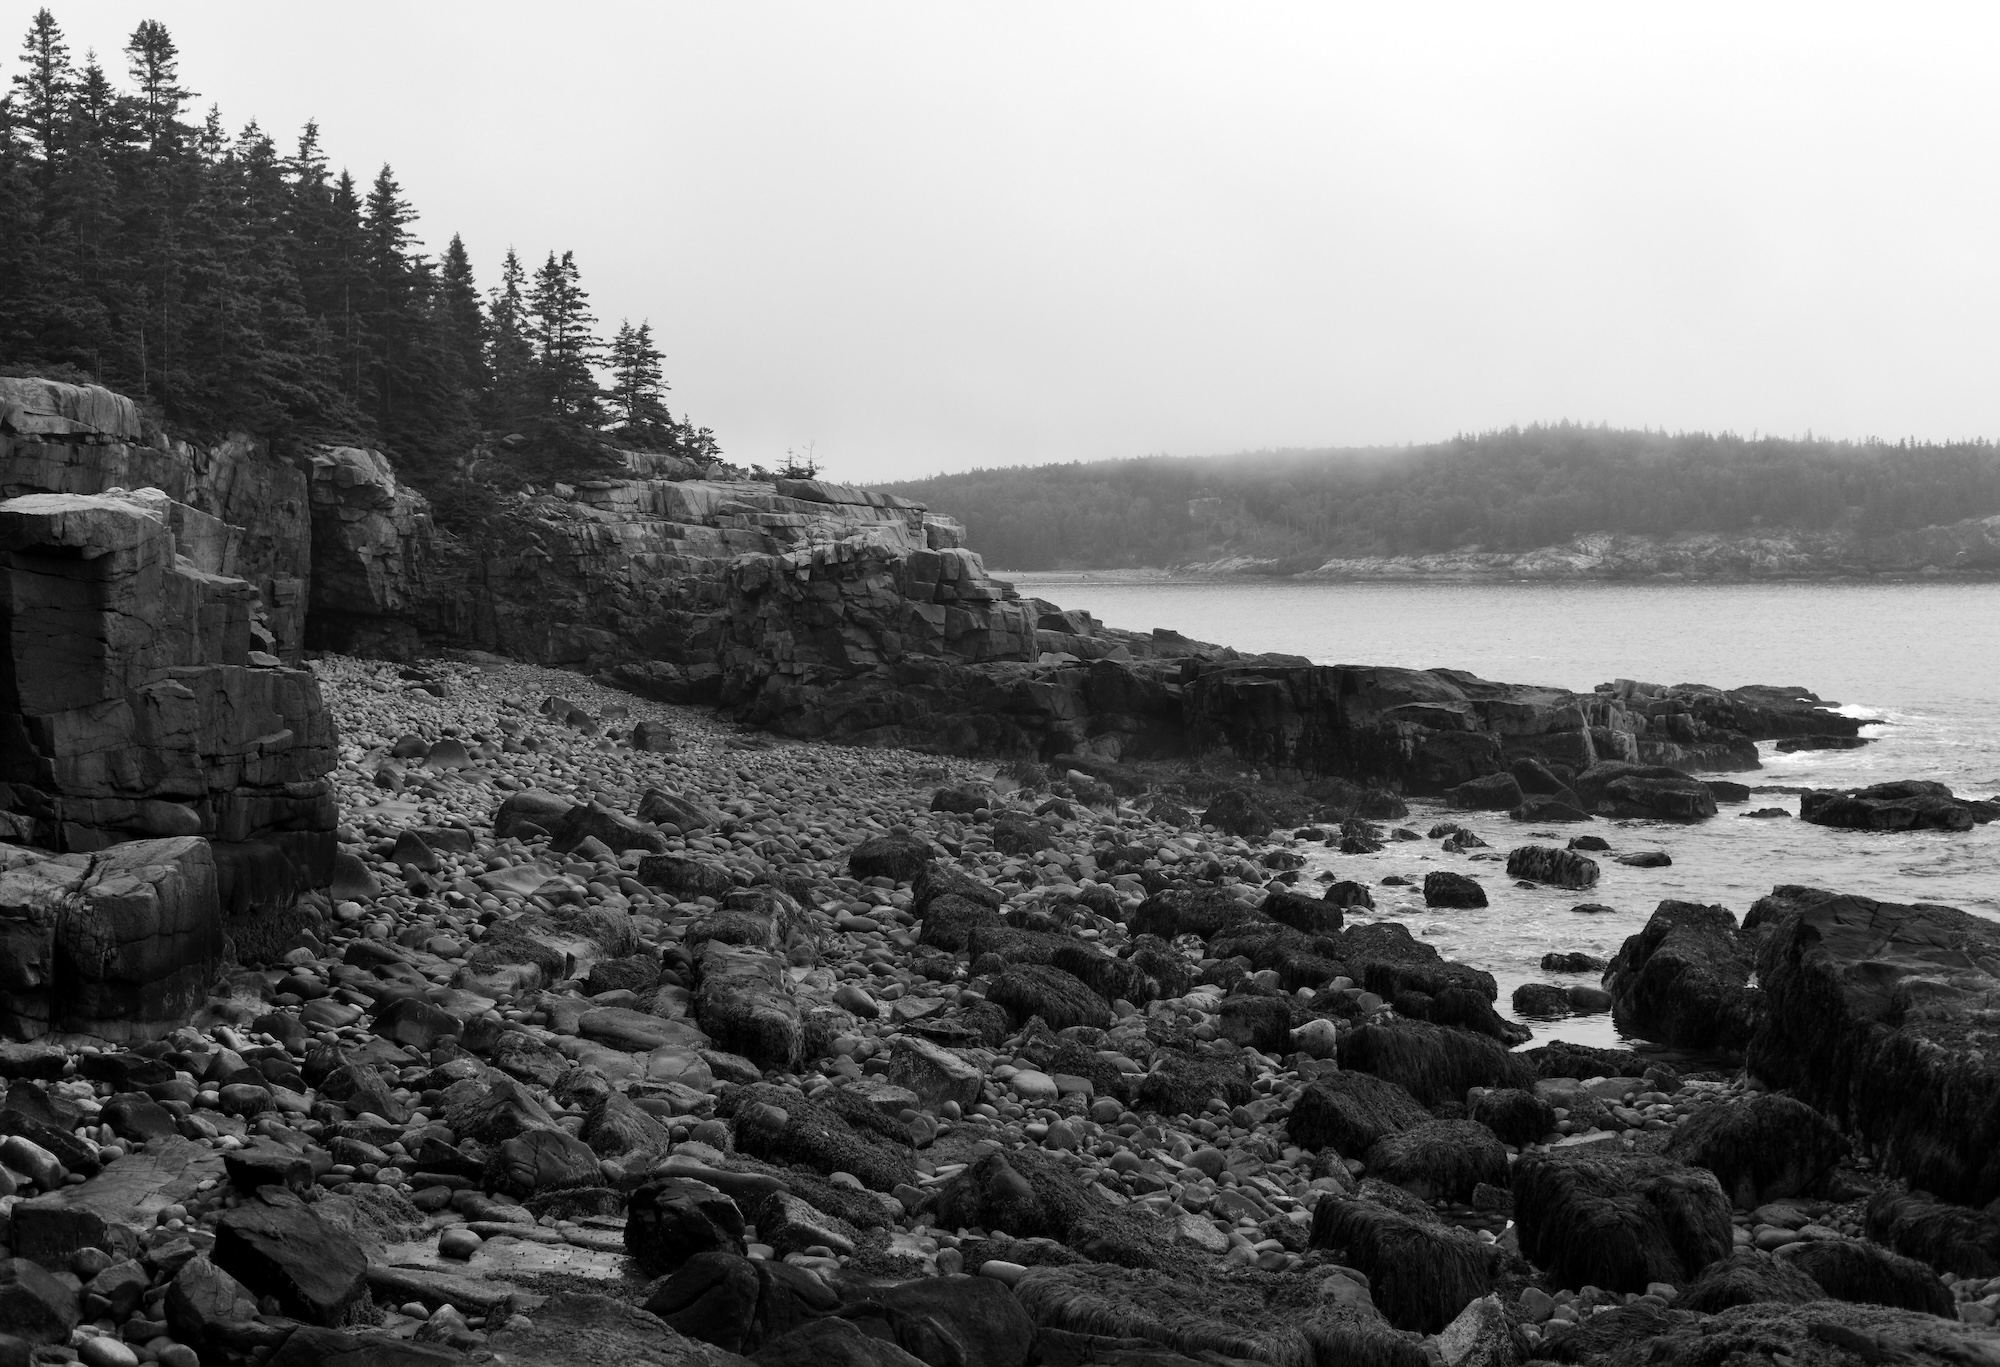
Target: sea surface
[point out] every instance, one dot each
(1920, 661)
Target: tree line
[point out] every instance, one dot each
(229, 286)
(1508, 490)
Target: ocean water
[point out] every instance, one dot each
(1920, 661)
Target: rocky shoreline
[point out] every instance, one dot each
(453, 1008)
(631, 1036)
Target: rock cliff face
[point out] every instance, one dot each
(135, 703)
(239, 512)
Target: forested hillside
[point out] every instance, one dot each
(228, 284)
(1508, 490)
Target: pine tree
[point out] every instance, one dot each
(154, 64)
(460, 321)
(510, 351)
(638, 389)
(45, 88)
(566, 350)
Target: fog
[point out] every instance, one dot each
(925, 237)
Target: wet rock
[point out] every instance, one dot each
(1541, 1001)
(1236, 812)
(542, 1160)
(1205, 912)
(36, 1305)
(832, 1343)
(1260, 1023)
(1351, 1112)
(971, 1320)
(1841, 977)
(1621, 1221)
(1452, 890)
(1349, 894)
(1906, 806)
(530, 808)
(1572, 962)
(1646, 859)
(744, 1001)
(1495, 792)
(207, 1307)
(1545, 864)
(1760, 1148)
(1948, 1237)
(1180, 1084)
(614, 830)
(684, 878)
(1684, 979)
(1617, 789)
(1547, 810)
(935, 1074)
(1314, 916)
(579, 1329)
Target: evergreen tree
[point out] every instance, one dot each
(566, 350)
(638, 389)
(44, 88)
(154, 64)
(461, 323)
(510, 351)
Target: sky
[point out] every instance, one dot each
(920, 237)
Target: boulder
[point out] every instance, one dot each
(1191, 911)
(1869, 1274)
(1876, 1014)
(1494, 792)
(1746, 1277)
(1351, 1112)
(1760, 1148)
(1657, 791)
(669, 1220)
(736, 1304)
(1440, 1160)
(581, 1329)
(531, 807)
(1435, 1064)
(120, 943)
(1684, 980)
(1548, 810)
(1447, 889)
(1950, 1238)
(744, 1001)
(35, 1304)
(1598, 1216)
(1314, 915)
(1421, 1272)
(1057, 997)
(1516, 1115)
(616, 831)
(1546, 864)
(975, 1321)
(1236, 812)
(1911, 805)
(832, 1343)
(901, 857)
(277, 1246)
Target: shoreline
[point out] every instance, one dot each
(1143, 575)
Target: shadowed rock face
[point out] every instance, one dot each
(1883, 1017)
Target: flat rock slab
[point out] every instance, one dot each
(113, 1209)
(503, 1256)
(635, 1031)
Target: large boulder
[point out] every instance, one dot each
(120, 944)
(1869, 1274)
(1421, 1272)
(1600, 1216)
(1761, 1148)
(1880, 1016)
(277, 1246)
(1546, 864)
(1436, 1064)
(1453, 890)
(1615, 788)
(1950, 1238)
(1440, 1160)
(1911, 805)
(1684, 980)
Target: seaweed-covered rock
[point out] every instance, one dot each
(1618, 1220)
(1031, 1195)
(1421, 1272)
(1684, 980)
(1057, 997)
(951, 919)
(1547, 864)
(901, 857)
(1350, 1112)
(739, 1304)
(1310, 915)
(1867, 1273)
(1260, 1023)
(1183, 1084)
(1440, 1160)
(1949, 1238)
(1435, 1064)
(1223, 1314)
(744, 1002)
(1516, 1115)
(1880, 1016)
(1189, 911)
(779, 1125)
(1235, 811)
(1744, 1278)
(1760, 1147)
(1823, 1333)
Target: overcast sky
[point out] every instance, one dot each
(932, 236)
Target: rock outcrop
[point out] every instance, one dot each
(1881, 1016)
(139, 706)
